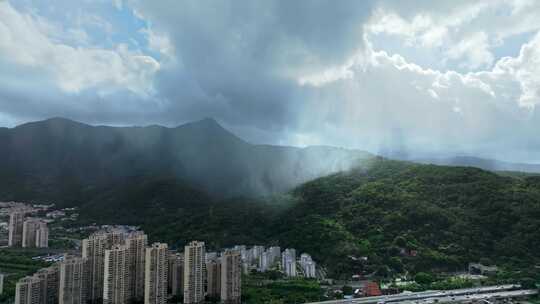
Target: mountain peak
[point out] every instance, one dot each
(206, 123)
(54, 121)
(208, 120)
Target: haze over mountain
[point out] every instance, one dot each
(482, 163)
(55, 154)
(465, 161)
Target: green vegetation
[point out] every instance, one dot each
(265, 288)
(431, 282)
(15, 264)
(414, 218)
(385, 218)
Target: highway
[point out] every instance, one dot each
(443, 296)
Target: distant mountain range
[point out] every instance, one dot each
(482, 163)
(51, 158)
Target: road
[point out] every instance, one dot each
(440, 296)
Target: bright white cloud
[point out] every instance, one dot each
(383, 100)
(32, 42)
(159, 42)
(475, 50)
(463, 35)
(523, 70)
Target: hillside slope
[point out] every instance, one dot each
(401, 216)
(417, 217)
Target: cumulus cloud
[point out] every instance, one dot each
(459, 34)
(33, 43)
(387, 103)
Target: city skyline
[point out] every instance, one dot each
(109, 260)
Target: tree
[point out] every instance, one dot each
(423, 278)
(347, 290)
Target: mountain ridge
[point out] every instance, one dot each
(51, 152)
(482, 163)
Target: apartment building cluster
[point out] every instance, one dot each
(118, 267)
(27, 232)
(259, 258)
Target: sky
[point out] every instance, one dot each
(406, 77)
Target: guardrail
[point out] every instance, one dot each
(415, 296)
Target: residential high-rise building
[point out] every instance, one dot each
(256, 254)
(116, 275)
(1, 283)
(288, 262)
(72, 281)
(275, 255)
(265, 261)
(194, 264)
(231, 277)
(93, 250)
(136, 243)
(175, 277)
(16, 221)
(40, 288)
(42, 235)
(155, 280)
(115, 237)
(35, 234)
(27, 290)
(308, 266)
(210, 256)
(289, 267)
(49, 284)
(213, 278)
(242, 249)
(289, 253)
(247, 256)
(30, 228)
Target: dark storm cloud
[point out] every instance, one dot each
(240, 59)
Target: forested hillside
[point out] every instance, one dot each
(400, 216)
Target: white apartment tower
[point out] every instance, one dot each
(16, 221)
(308, 265)
(175, 277)
(155, 280)
(136, 243)
(194, 264)
(265, 261)
(231, 276)
(72, 281)
(288, 262)
(115, 237)
(93, 250)
(256, 254)
(275, 255)
(49, 284)
(41, 288)
(35, 234)
(30, 227)
(213, 278)
(116, 275)
(42, 236)
(27, 290)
